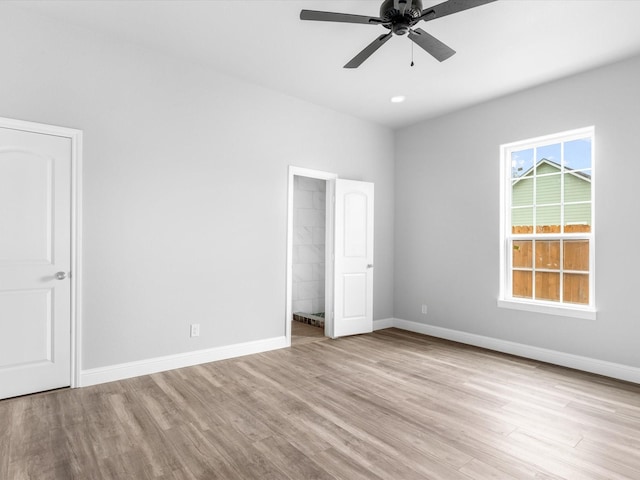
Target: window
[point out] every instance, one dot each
(547, 224)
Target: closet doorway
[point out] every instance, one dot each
(310, 243)
(329, 256)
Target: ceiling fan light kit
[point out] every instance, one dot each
(399, 17)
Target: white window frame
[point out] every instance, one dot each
(506, 298)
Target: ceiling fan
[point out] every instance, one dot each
(399, 16)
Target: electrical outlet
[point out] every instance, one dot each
(195, 329)
(424, 309)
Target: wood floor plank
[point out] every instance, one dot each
(7, 417)
(477, 469)
(387, 405)
(289, 459)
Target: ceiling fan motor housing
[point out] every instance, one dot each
(397, 22)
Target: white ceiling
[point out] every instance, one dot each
(502, 47)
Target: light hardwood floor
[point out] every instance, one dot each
(389, 405)
(302, 333)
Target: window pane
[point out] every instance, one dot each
(577, 187)
(522, 220)
(548, 286)
(548, 190)
(548, 254)
(550, 207)
(521, 162)
(522, 284)
(576, 288)
(577, 218)
(522, 253)
(522, 192)
(577, 154)
(548, 159)
(576, 255)
(548, 219)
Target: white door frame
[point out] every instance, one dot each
(75, 137)
(329, 229)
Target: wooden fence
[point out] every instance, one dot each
(578, 228)
(575, 258)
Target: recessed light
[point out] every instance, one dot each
(398, 99)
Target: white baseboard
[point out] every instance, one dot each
(384, 323)
(586, 364)
(121, 371)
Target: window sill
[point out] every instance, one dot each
(587, 313)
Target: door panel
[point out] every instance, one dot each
(353, 308)
(33, 321)
(35, 244)
(26, 184)
(355, 225)
(355, 295)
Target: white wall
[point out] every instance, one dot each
(447, 214)
(309, 220)
(185, 186)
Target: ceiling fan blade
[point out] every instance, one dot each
(431, 44)
(356, 61)
(339, 17)
(449, 7)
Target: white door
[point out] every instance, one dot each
(35, 259)
(353, 299)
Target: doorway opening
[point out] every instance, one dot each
(310, 249)
(309, 258)
(347, 251)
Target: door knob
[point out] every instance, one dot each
(61, 275)
(370, 265)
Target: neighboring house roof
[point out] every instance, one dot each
(581, 175)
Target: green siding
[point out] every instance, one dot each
(545, 168)
(522, 193)
(522, 216)
(580, 213)
(548, 215)
(576, 189)
(548, 190)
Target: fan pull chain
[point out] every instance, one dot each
(412, 64)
